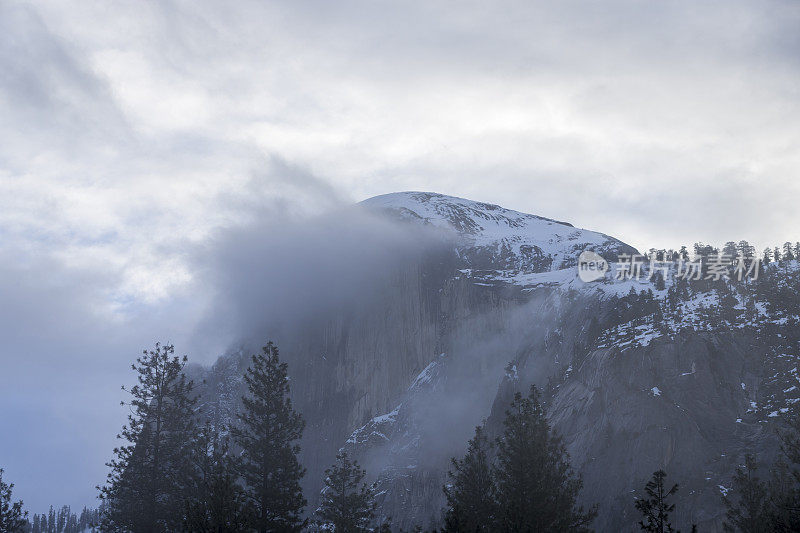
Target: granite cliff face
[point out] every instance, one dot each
(677, 404)
(401, 376)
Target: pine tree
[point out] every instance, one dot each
(655, 509)
(750, 310)
(658, 281)
(51, 520)
(784, 489)
(536, 487)
(788, 253)
(471, 495)
(268, 434)
(790, 439)
(746, 502)
(783, 506)
(61, 518)
(728, 303)
(745, 249)
(777, 254)
(216, 501)
(767, 257)
(12, 518)
(89, 519)
(148, 479)
(347, 504)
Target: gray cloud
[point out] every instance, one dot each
(280, 271)
(63, 360)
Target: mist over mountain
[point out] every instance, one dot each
(214, 176)
(412, 317)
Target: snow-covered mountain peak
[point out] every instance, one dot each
(498, 238)
(466, 216)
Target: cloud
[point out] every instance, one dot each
(282, 271)
(523, 104)
(63, 359)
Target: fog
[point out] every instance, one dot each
(65, 354)
(69, 337)
(271, 276)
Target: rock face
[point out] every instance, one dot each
(400, 378)
(672, 404)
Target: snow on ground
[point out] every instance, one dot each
(425, 376)
(379, 425)
(567, 279)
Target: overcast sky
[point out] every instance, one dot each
(134, 133)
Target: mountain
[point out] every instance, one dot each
(492, 237)
(637, 374)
